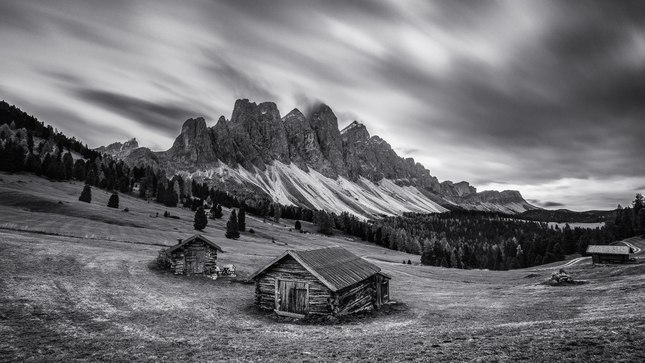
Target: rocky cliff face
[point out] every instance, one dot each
(257, 138)
(120, 150)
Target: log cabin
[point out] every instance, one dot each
(327, 281)
(609, 254)
(193, 256)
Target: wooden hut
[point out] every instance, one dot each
(193, 256)
(609, 254)
(327, 281)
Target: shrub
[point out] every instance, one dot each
(251, 230)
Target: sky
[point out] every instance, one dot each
(544, 97)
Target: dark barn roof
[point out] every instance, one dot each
(609, 250)
(335, 267)
(190, 239)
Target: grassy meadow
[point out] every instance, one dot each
(78, 283)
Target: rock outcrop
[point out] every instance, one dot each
(256, 138)
(120, 150)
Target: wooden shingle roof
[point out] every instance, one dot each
(190, 239)
(335, 267)
(609, 250)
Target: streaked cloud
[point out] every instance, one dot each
(513, 94)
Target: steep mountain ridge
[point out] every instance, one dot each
(308, 161)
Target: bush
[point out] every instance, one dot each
(113, 202)
(251, 230)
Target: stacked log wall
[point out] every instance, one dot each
(177, 258)
(289, 269)
(355, 298)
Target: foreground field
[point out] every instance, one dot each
(78, 284)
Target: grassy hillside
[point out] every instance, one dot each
(78, 283)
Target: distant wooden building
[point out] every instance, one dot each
(193, 256)
(327, 281)
(609, 254)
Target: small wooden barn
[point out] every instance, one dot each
(326, 281)
(609, 254)
(193, 256)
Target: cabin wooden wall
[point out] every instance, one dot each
(609, 258)
(177, 258)
(358, 297)
(289, 269)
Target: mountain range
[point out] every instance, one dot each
(306, 160)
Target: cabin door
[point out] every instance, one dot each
(195, 262)
(292, 297)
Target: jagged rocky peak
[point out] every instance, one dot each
(355, 132)
(118, 149)
(457, 189)
(192, 126)
(131, 144)
(304, 150)
(325, 125)
(264, 127)
(194, 144)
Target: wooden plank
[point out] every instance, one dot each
(291, 315)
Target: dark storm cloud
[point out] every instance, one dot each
(167, 118)
(14, 16)
(566, 104)
(548, 204)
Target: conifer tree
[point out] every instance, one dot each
(297, 226)
(161, 191)
(325, 223)
(640, 222)
(200, 219)
(68, 165)
(241, 220)
(86, 194)
(232, 227)
(113, 202)
(32, 164)
(216, 212)
(170, 198)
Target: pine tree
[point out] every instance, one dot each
(161, 192)
(32, 164)
(200, 219)
(297, 226)
(216, 212)
(569, 242)
(325, 223)
(86, 194)
(640, 222)
(241, 220)
(232, 227)
(558, 252)
(68, 164)
(113, 202)
(277, 212)
(170, 198)
(637, 205)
